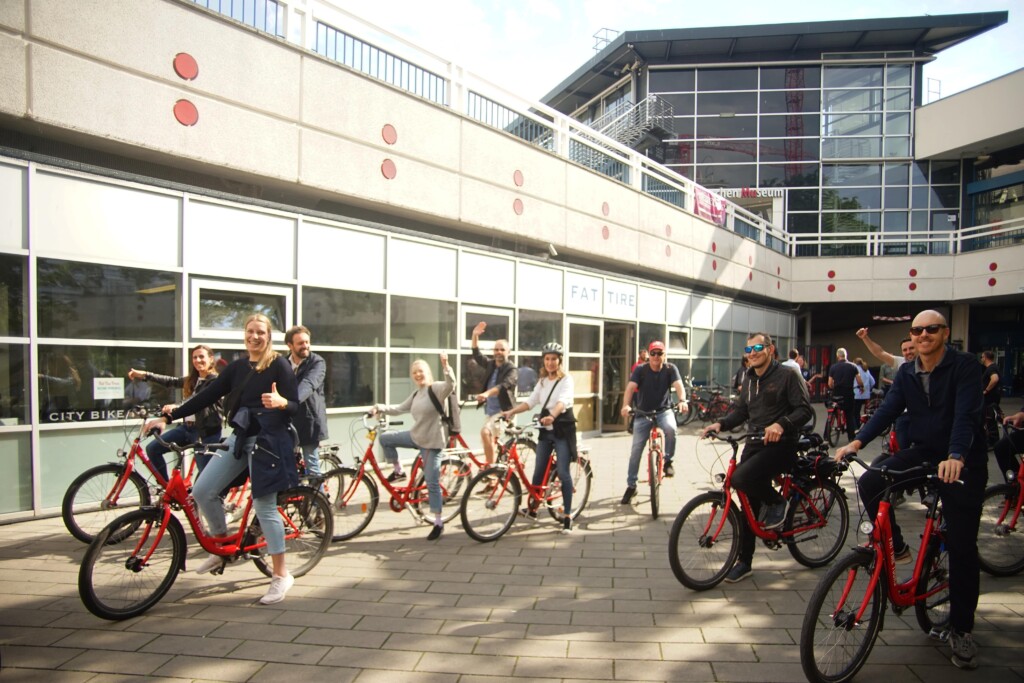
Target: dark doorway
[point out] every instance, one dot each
(619, 352)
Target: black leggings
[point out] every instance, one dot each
(758, 467)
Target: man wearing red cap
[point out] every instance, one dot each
(653, 384)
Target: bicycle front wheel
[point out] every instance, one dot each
(824, 517)
(490, 504)
(704, 542)
(932, 611)
(1000, 543)
(93, 500)
(654, 476)
(353, 500)
(308, 530)
(832, 429)
(131, 564)
(582, 479)
(834, 644)
(452, 477)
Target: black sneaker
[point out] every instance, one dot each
(739, 571)
(529, 513)
(567, 525)
(669, 470)
(436, 532)
(396, 476)
(964, 650)
(628, 495)
(774, 515)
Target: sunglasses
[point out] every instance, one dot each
(917, 331)
(751, 349)
(657, 353)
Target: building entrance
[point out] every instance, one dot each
(619, 346)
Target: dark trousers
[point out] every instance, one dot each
(848, 404)
(759, 465)
(1006, 451)
(547, 443)
(961, 514)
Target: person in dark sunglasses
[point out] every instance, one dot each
(941, 392)
(772, 399)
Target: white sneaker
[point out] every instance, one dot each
(279, 586)
(211, 563)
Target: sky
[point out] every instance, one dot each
(528, 47)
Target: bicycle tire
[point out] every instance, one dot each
(113, 582)
(822, 544)
(933, 612)
(328, 462)
(308, 531)
(353, 499)
(697, 564)
(654, 456)
(832, 430)
(582, 480)
(833, 647)
(1000, 545)
(452, 478)
(487, 512)
(689, 414)
(84, 508)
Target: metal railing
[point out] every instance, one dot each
(993, 235)
(631, 125)
(265, 15)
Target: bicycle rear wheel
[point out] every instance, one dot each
(453, 478)
(131, 564)
(490, 504)
(308, 530)
(824, 538)
(353, 499)
(832, 429)
(703, 544)
(90, 504)
(932, 612)
(582, 479)
(834, 644)
(1000, 542)
(654, 459)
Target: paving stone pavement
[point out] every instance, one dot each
(599, 604)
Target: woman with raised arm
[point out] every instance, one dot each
(261, 396)
(205, 426)
(426, 435)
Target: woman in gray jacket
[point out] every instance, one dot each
(426, 434)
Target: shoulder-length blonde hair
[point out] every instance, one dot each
(269, 354)
(428, 374)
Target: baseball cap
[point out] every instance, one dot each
(660, 346)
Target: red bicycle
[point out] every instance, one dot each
(1000, 541)
(845, 613)
(133, 561)
(835, 423)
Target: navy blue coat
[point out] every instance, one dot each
(311, 419)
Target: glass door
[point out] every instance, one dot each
(584, 353)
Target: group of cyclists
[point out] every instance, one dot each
(934, 397)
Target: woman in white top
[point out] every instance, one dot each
(554, 394)
(426, 434)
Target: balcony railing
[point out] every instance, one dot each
(265, 15)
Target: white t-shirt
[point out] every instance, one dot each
(562, 393)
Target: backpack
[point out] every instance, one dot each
(449, 412)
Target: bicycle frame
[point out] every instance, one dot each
(515, 468)
(1012, 508)
(137, 451)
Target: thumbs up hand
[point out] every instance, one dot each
(272, 399)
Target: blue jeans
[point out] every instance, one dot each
(311, 456)
(545, 445)
(390, 442)
(216, 476)
(180, 435)
(641, 432)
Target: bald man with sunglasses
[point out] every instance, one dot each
(941, 392)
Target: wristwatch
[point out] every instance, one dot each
(956, 456)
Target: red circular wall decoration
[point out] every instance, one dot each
(992, 266)
(913, 286)
(605, 209)
(388, 169)
(389, 134)
(714, 265)
(750, 276)
(605, 232)
(991, 282)
(778, 270)
(186, 66)
(517, 206)
(778, 285)
(186, 113)
(517, 178)
(831, 274)
(750, 260)
(831, 288)
(913, 272)
(668, 231)
(714, 247)
(668, 250)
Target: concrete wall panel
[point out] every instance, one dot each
(494, 158)
(491, 206)
(331, 256)
(13, 56)
(12, 15)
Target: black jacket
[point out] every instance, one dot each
(311, 419)
(945, 420)
(209, 420)
(508, 378)
(780, 395)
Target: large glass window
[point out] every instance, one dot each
(851, 148)
(853, 100)
(680, 80)
(727, 127)
(219, 309)
(853, 76)
(716, 103)
(354, 378)
(790, 126)
(499, 326)
(91, 301)
(342, 318)
(803, 200)
(790, 101)
(682, 105)
(848, 198)
(422, 323)
(13, 301)
(678, 152)
(727, 151)
(537, 328)
(651, 332)
(790, 149)
(740, 175)
(788, 175)
(90, 383)
(777, 78)
(853, 124)
(727, 79)
(13, 384)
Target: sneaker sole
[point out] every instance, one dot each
(963, 663)
(737, 580)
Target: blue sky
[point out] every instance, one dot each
(529, 46)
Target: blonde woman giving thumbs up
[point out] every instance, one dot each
(261, 395)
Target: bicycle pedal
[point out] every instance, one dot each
(939, 634)
(1002, 530)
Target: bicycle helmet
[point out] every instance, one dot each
(552, 347)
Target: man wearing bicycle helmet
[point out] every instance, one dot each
(773, 399)
(653, 384)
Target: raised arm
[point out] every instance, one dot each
(875, 348)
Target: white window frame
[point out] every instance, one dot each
(486, 342)
(196, 285)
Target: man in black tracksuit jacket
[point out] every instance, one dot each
(941, 392)
(772, 399)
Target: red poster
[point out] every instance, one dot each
(709, 205)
